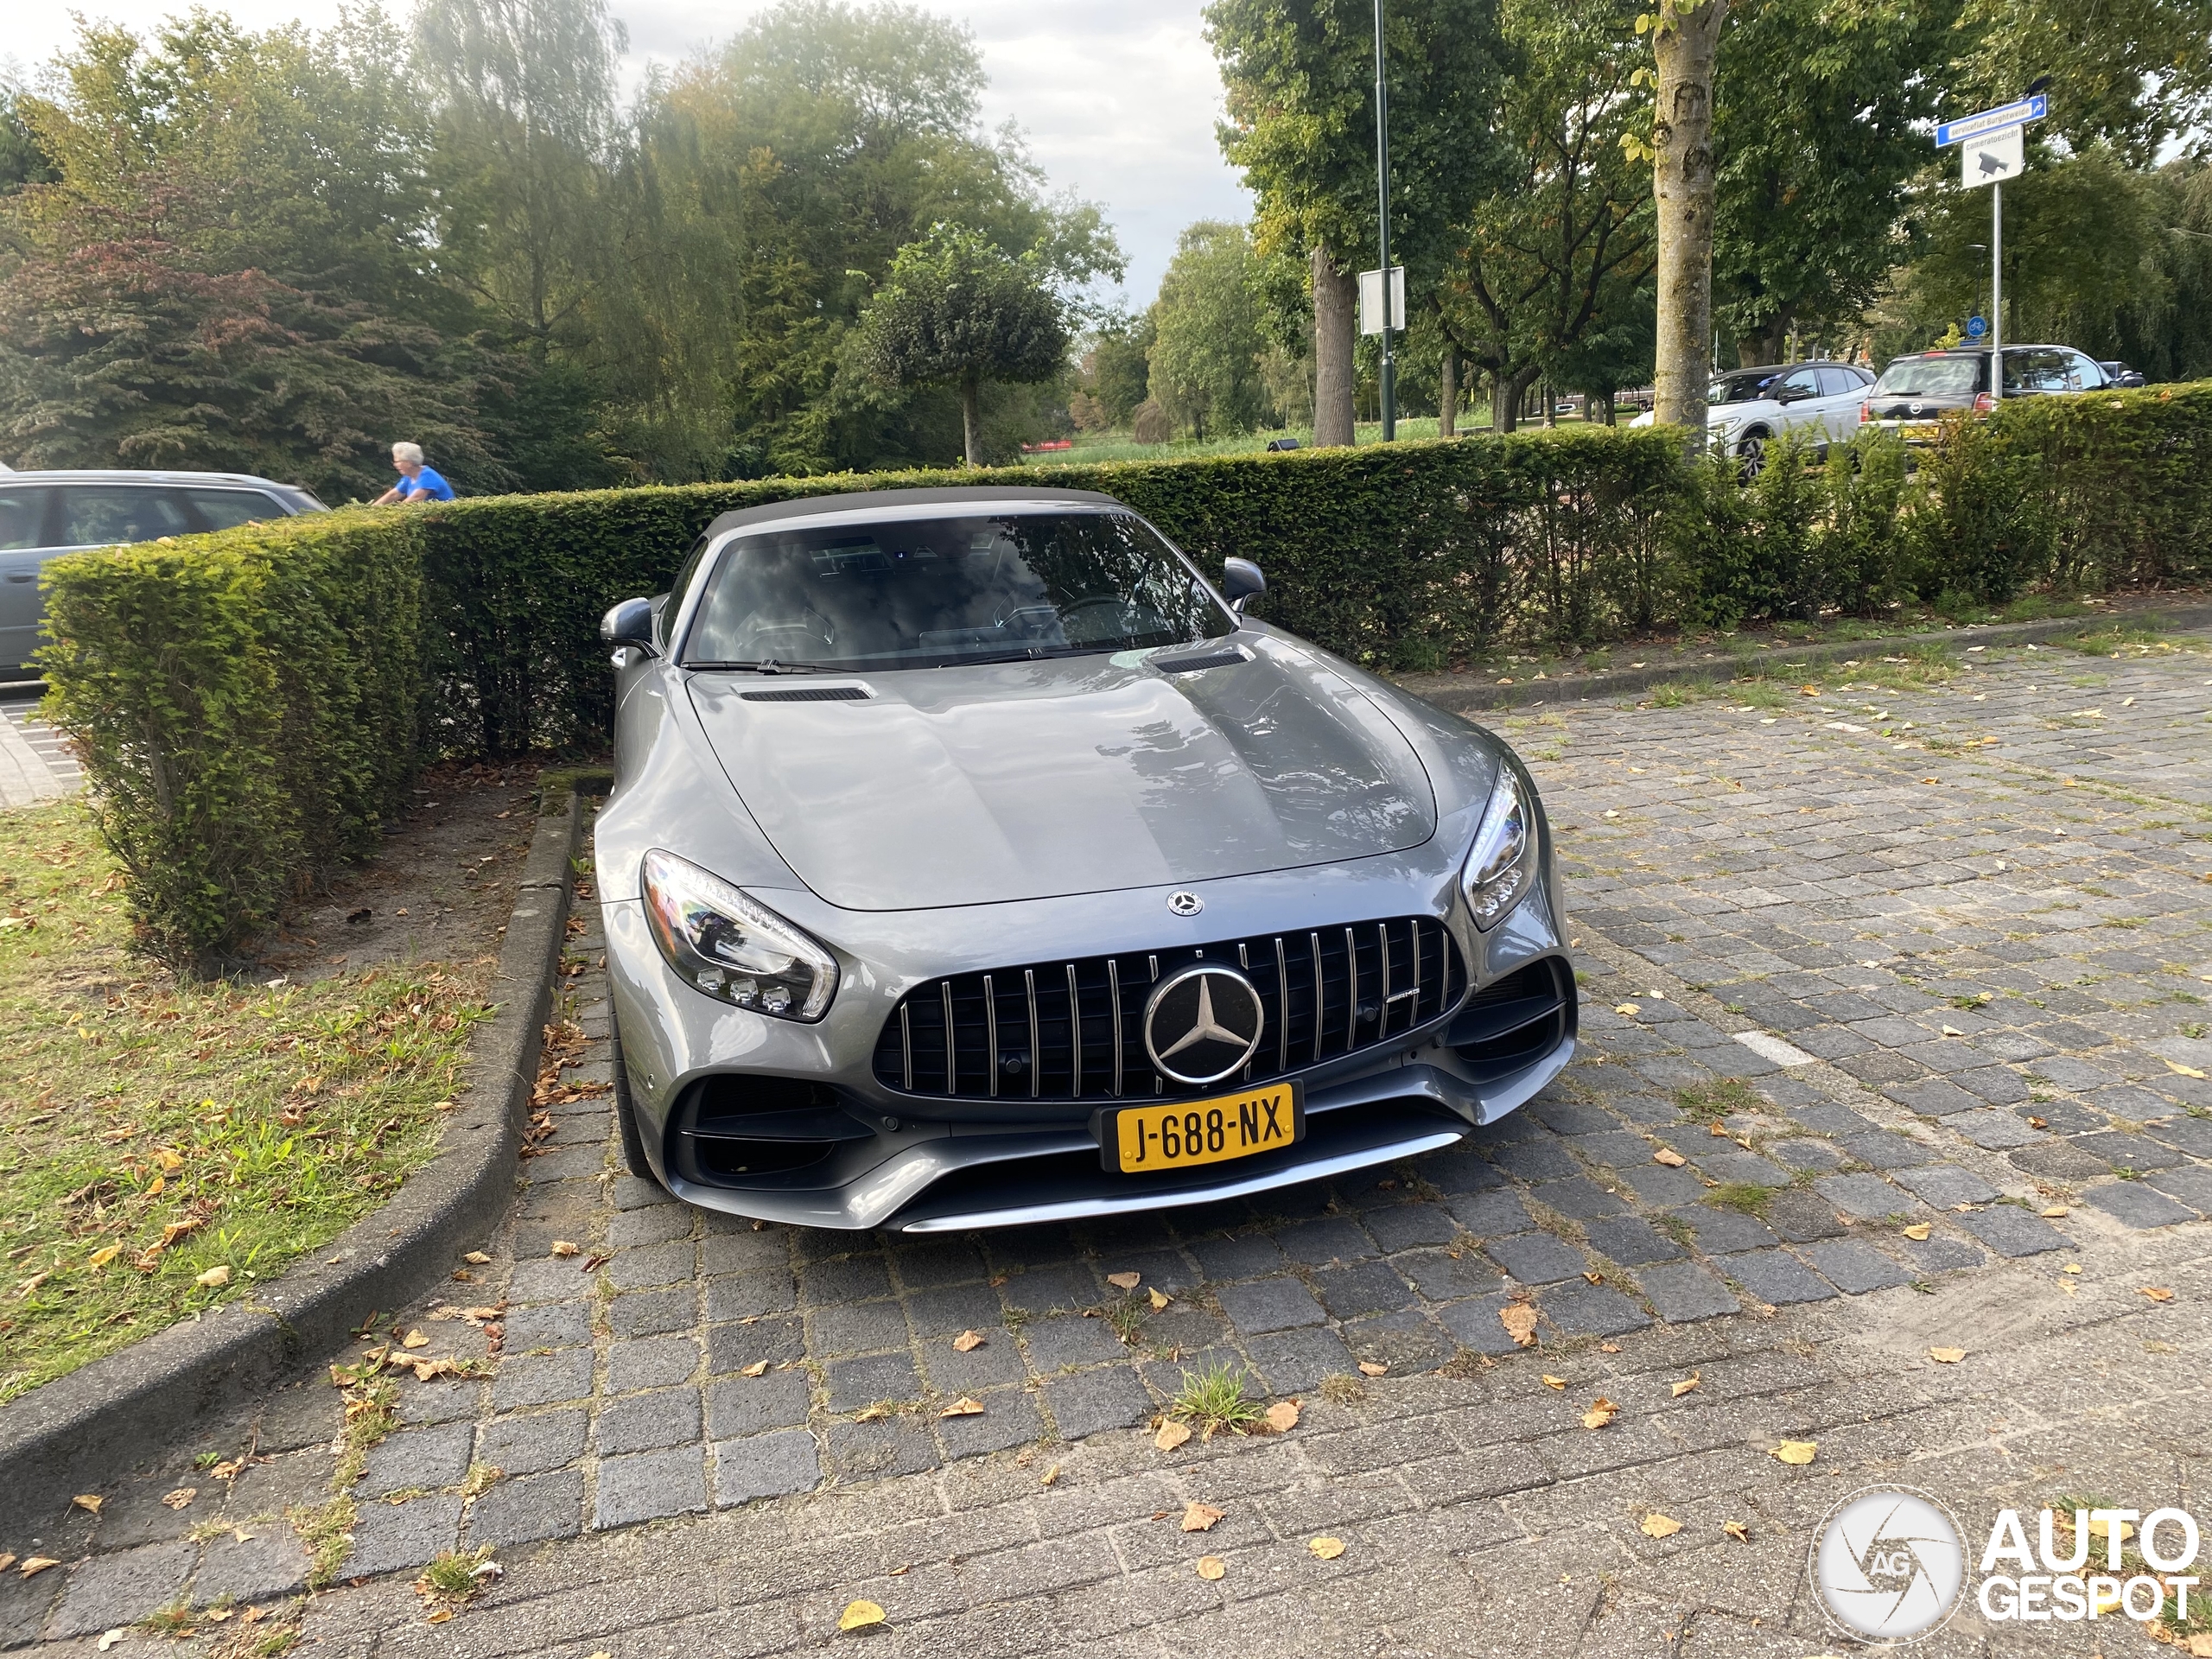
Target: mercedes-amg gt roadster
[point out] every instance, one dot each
(973, 860)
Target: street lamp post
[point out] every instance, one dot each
(1390, 377)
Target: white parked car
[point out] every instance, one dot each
(1746, 408)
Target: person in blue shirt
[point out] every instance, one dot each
(417, 481)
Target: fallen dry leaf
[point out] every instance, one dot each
(1602, 1411)
(1282, 1417)
(1609, 1347)
(2076, 1267)
(2055, 1212)
(1919, 1229)
(967, 1342)
(1049, 1476)
(963, 1406)
(1125, 1281)
(757, 1368)
(89, 1501)
(1694, 1380)
(859, 1615)
(2200, 1645)
(7, 1560)
(438, 1616)
(1520, 1322)
(1211, 1568)
(1670, 1157)
(1551, 1381)
(1326, 1549)
(1594, 1276)
(36, 1565)
(1159, 1298)
(1737, 1530)
(899, 1571)
(112, 1638)
(2158, 1293)
(178, 1498)
(2185, 1070)
(562, 1247)
(874, 1414)
(1631, 1009)
(477, 1258)
(1372, 1367)
(1172, 1435)
(414, 1339)
(1797, 1451)
(1200, 1517)
(1947, 1356)
(100, 1258)
(214, 1278)
(1661, 1526)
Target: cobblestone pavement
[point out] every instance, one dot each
(1973, 1034)
(34, 763)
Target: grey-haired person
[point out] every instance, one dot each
(417, 482)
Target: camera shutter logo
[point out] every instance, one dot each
(1889, 1564)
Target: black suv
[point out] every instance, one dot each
(1916, 390)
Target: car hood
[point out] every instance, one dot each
(1033, 781)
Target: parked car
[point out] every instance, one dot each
(2120, 375)
(1919, 389)
(44, 514)
(1747, 409)
(972, 861)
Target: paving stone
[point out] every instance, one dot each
(1581, 1309)
(1742, 1169)
(1441, 1276)
(1246, 1257)
(653, 1312)
(739, 1405)
(1066, 1340)
(1631, 1240)
(857, 1328)
(1880, 1149)
(672, 1263)
(122, 1588)
(530, 1509)
(1475, 1324)
(2058, 1160)
(948, 1312)
(1572, 1117)
(1581, 1198)
(853, 1383)
(646, 1422)
(1323, 1240)
(1493, 1214)
(2009, 1231)
(418, 1458)
(530, 1444)
(745, 1252)
(2190, 1134)
(1292, 1361)
(877, 1451)
(650, 1485)
(1940, 1096)
(1865, 1198)
(1623, 1149)
(1941, 1254)
(258, 1568)
(270, 1489)
(1047, 1290)
(1998, 1086)
(1826, 1118)
(1993, 1129)
(1664, 1188)
(1089, 1403)
(765, 1465)
(997, 1363)
(1682, 1292)
(1777, 1277)
(1945, 1185)
(301, 1416)
(1404, 1226)
(657, 1224)
(1362, 1287)
(732, 1347)
(2191, 1184)
(1535, 1258)
(630, 1193)
(1459, 1171)
(541, 1379)
(924, 1263)
(651, 1363)
(1008, 1419)
(2138, 1204)
(1719, 1231)
(752, 1295)
(1820, 1155)
(846, 1279)
(389, 1536)
(1853, 1268)
(548, 1325)
(2128, 1151)
(1537, 1161)
(1269, 1305)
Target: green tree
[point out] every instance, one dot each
(1119, 367)
(1300, 78)
(1205, 360)
(956, 309)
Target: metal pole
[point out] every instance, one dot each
(1382, 197)
(1996, 290)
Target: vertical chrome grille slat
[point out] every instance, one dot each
(991, 1034)
(1074, 1037)
(1320, 1006)
(1114, 994)
(1352, 992)
(951, 1076)
(1282, 1010)
(1036, 1063)
(907, 1046)
(1417, 1007)
(1382, 932)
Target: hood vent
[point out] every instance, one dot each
(1227, 658)
(808, 694)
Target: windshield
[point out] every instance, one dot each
(928, 592)
(1743, 387)
(1931, 376)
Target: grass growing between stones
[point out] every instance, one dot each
(1718, 1097)
(1744, 1197)
(165, 1143)
(1214, 1399)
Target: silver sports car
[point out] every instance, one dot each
(973, 860)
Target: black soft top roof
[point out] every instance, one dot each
(973, 496)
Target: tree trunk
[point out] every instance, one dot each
(1509, 392)
(1448, 394)
(1335, 293)
(971, 418)
(1551, 402)
(1682, 131)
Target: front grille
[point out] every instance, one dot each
(1073, 1031)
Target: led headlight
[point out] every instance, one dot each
(721, 943)
(1500, 867)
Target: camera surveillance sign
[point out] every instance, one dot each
(1993, 157)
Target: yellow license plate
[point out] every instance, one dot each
(1138, 1139)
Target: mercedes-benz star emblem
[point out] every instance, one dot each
(1185, 903)
(1202, 1022)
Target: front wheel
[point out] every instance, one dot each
(625, 1115)
(1751, 456)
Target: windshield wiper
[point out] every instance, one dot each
(1033, 654)
(765, 665)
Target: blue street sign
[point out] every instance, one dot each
(2010, 115)
(1976, 327)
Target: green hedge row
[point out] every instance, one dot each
(250, 704)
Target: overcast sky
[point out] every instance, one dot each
(1119, 102)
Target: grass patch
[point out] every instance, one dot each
(1924, 665)
(1342, 1388)
(1214, 1400)
(1718, 1097)
(167, 1142)
(1744, 1197)
(1126, 1315)
(455, 1574)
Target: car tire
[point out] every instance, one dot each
(1750, 455)
(625, 1115)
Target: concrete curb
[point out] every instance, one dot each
(1459, 693)
(89, 1430)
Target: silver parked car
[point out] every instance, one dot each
(972, 861)
(46, 514)
(1747, 409)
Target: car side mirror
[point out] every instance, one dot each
(630, 624)
(1240, 581)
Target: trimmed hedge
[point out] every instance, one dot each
(250, 705)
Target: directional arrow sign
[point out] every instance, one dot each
(1973, 126)
(1994, 157)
